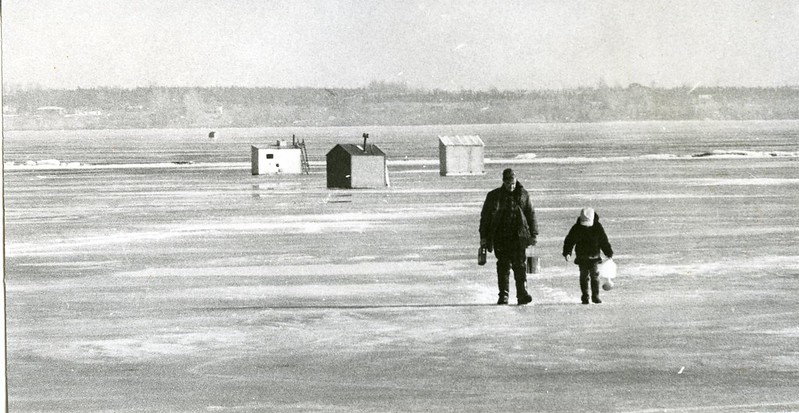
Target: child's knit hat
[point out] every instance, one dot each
(587, 217)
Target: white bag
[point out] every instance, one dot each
(606, 269)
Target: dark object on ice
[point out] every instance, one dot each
(507, 227)
(719, 153)
(212, 135)
(352, 166)
(183, 162)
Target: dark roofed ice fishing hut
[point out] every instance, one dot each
(460, 155)
(353, 166)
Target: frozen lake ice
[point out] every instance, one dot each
(149, 270)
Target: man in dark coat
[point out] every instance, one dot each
(587, 237)
(508, 226)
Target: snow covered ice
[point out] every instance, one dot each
(136, 280)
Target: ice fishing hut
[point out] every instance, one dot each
(280, 158)
(352, 166)
(460, 155)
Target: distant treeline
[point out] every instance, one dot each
(381, 103)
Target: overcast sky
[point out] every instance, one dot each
(446, 44)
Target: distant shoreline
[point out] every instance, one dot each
(382, 105)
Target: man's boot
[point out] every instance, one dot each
(503, 282)
(522, 295)
(595, 290)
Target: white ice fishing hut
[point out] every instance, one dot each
(460, 155)
(351, 166)
(281, 158)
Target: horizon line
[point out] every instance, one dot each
(390, 85)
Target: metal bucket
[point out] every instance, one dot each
(533, 265)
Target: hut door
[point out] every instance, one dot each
(271, 165)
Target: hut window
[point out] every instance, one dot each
(270, 156)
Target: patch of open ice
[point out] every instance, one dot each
(526, 156)
(664, 195)
(729, 267)
(140, 348)
(416, 171)
(363, 258)
(326, 269)
(70, 245)
(29, 165)
(287, 224)
(786, 332)
(743, 181)
(317, 292)
(551, 295)
(659, 156)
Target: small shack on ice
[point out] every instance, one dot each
(460, 155)
(353, 166)
(280, 158)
